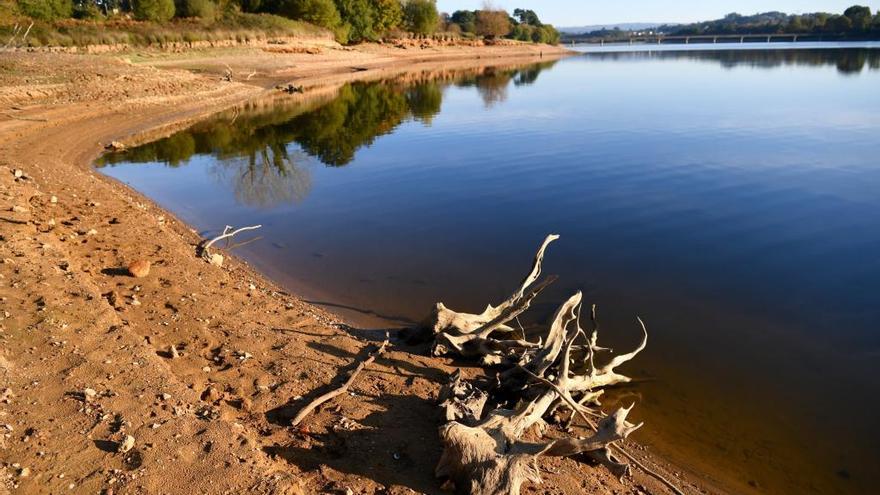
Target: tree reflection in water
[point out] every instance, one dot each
(261, 153)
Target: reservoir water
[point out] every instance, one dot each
(730, 197)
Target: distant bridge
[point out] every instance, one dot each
(687, 39)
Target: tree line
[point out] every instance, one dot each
(351, 21)
(856, 20)
(523, 25)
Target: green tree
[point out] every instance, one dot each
(88, 9)
(421, 16)
(860, 16)
(388, 14)
(46, 10)
(527, 17)
(546, 34)
(319, 12)
(839, 24)
(359, 15)
(153, 10)
(466, 20)
(206, 9)
(522, 32)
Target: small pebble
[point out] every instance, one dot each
(126, 444)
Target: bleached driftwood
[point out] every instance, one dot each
(485, 452)
(471, 334)
(228, 233)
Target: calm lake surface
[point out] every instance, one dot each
(729, 197)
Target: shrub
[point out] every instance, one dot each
(388, 15)
(46, 9)
(88, 9)
(493, 23)
(205, 9)
(153, 10)
(421, 16)
(320, 12)
(359, 15)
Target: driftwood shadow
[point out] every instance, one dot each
(116, 272)
(397, 445)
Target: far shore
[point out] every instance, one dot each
(88, 350)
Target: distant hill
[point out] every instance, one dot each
(624, 26)
(855, 23)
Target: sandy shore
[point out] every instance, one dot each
(85, 355)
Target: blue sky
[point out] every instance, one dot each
(584, 12)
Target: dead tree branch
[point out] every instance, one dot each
(228, 233)
(342, 389)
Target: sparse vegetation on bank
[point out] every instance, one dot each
(74, 32)
(33, 23)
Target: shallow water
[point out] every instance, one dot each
(730, 197)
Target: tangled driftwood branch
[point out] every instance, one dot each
(472, 334)
(485, 452)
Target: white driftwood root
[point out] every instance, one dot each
(228, 233)
(484, 451)
(311, 406)
(470, 334)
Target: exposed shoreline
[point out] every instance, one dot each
(64, 333)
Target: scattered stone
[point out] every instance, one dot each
(115, 146)
(89, 393)
(262, 382)
(126, 445)
(211, 394)
(24, 472)
(18, 209)
(53, 200)
(139, 268)
(166, 396)
(6, 396)
(17, 173)
(173, 351)
(92, 232)
(216, 259)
